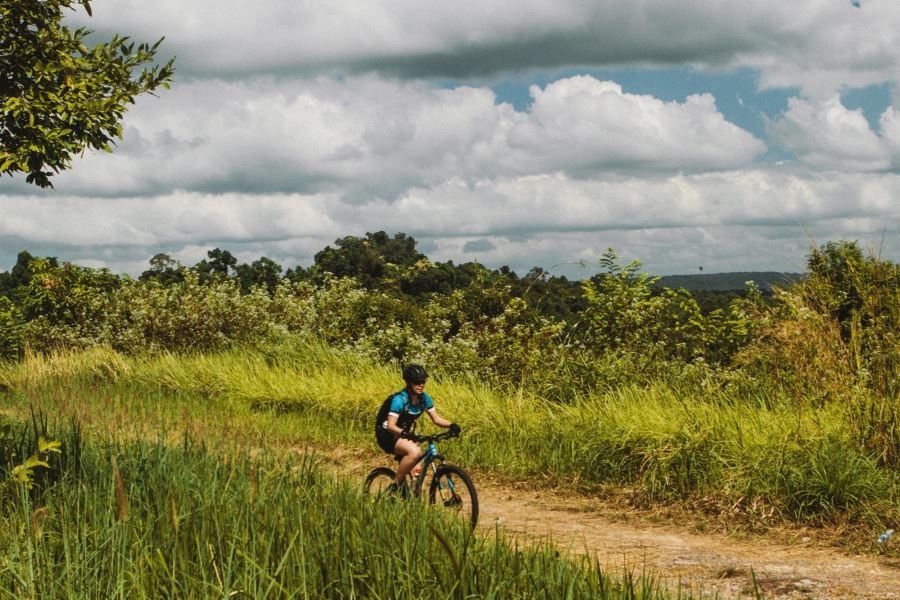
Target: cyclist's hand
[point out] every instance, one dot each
(409, 435)
(454, 429)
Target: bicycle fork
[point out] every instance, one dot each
(443, 485)
(454, 499)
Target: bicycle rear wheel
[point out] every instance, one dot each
(377, 481)
(452, 490)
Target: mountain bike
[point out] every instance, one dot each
(450, 489)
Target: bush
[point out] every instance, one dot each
(862, 294)
(146, 316)
(817, 341)
(800, 352)
(10, 330)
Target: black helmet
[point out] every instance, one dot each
(414, 373)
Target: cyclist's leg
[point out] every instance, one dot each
(409, 452)
(386, 441)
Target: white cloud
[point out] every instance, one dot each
(729, 220)
(826, 135)
(890, 133)
(558, 203)
(372, 137)
(178, 218)
(582, 123)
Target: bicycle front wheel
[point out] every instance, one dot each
(451, 490)
(377, 482)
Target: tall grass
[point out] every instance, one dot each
(745, 454)
(204, 524)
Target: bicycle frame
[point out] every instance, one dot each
(428, 459)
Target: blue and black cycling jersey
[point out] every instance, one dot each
(401, 404)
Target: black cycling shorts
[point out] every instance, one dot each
(386, 440)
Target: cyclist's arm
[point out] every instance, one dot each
(392, 424)
(438, 419)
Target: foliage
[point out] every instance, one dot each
(10, 324)
(623, 316)
(264, 272)
(800, 351)
(835, 330)
(23, 474)
(220, 264)
(164, 269)
(863, 295)
(147, 316)
(813, 342)
(64, 306)
(58, 96)
(369, 259)
(654, 330)
(18, 277)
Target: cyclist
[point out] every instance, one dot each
(396, 420)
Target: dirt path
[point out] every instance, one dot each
(717, 564)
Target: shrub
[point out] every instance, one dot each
(10, 330)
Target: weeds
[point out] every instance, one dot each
(801, 461)
(222, 524)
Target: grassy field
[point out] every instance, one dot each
(151, 519)
(764, 461)
(177, 480)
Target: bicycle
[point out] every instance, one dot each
(450, 488)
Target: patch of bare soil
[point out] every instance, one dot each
(716, 564)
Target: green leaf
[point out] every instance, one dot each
(48, 445)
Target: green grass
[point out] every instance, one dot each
(150, 519)
(754, 456)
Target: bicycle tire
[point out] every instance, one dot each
(378, 480)
(451, 489)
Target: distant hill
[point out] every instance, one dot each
(720, 282)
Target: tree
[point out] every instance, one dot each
(20, 274)
(264, 271)
(622, 314)
(367, 258)
(164, 269)
(58, 96)
(218, 265)
(862, 293)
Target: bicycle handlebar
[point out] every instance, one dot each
(444, 435)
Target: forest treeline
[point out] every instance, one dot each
(833, 332)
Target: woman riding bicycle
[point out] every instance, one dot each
(397, 416)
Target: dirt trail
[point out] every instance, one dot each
(717, 564)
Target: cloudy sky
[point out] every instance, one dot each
(721, 134)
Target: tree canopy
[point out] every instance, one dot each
(368, 258)
(58, 96)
